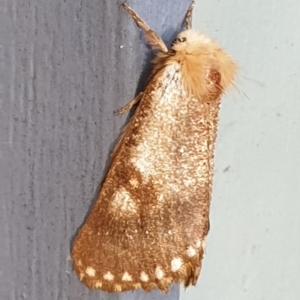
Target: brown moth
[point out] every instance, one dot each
(148, 226)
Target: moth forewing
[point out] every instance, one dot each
(148, 226)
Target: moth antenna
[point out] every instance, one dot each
(151, 36)
(188, 16)
(129, 105)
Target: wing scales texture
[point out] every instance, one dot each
(149, 223)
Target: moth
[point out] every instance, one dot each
(148, 226)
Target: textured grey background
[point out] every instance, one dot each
(65, 67)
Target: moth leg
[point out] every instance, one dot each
(129, 105)
(188, 16)
(151, 36)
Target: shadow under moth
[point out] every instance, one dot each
(148, 226)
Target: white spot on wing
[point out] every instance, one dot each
(159, 273)
(126, 277)
(141, 162)
(176, 264)
(134, 183)
(144, 277)
(181, 149)
(90, 271)
(160, 197)
(118, 288)
(122, 201)
(191, 251)
(108, 276)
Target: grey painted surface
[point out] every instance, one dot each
(253, 249)
(65, 67)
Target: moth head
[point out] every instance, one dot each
(189, 40)
(201, 55)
